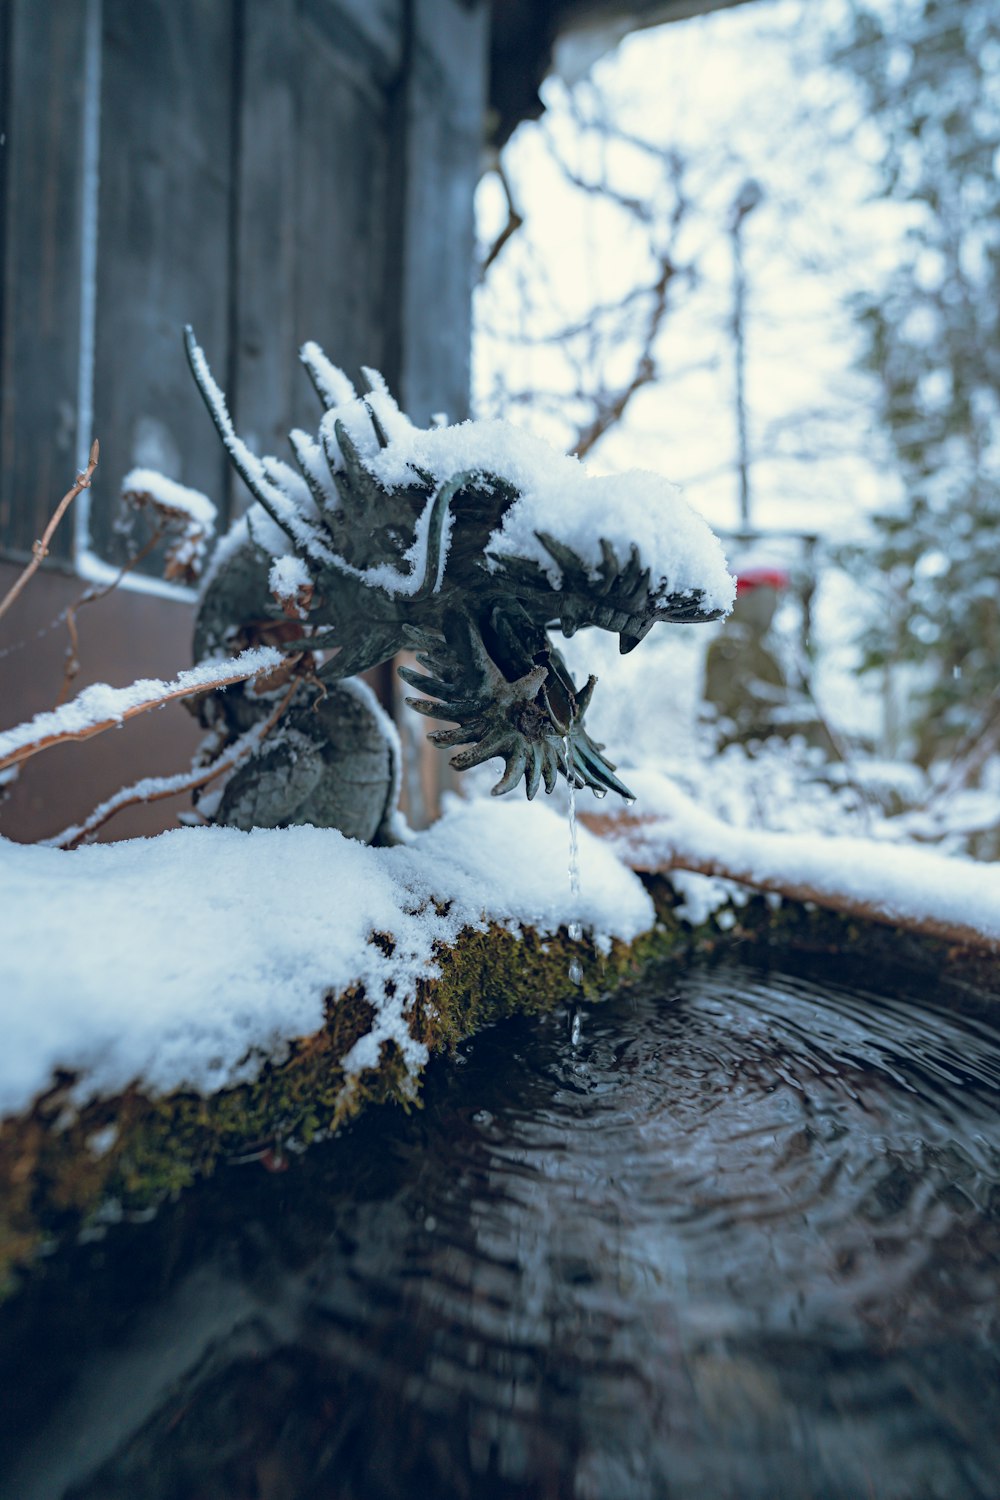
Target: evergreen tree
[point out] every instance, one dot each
(930, 71)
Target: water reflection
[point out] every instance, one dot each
(736, 1239)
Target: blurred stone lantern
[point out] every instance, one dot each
(745, 681)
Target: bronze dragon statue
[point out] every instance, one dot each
(463, 544)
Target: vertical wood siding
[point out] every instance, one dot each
(40, 306)
(270, 171)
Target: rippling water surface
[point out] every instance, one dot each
(741, 1238)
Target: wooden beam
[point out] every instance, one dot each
(525, 33)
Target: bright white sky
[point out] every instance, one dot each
(739, 93)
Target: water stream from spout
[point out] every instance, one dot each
(575, 927)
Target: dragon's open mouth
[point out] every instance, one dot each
(631, 628)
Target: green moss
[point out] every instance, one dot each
(53, 1180)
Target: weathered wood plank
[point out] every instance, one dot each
(6, 23)
(365, 34)
(165, 237)
(312, 163)
(343, 165)
(440, 128)
(263, 389)
(39, 315)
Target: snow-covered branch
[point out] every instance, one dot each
(102, 707)
(156, 788)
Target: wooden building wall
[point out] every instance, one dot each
(268, 170)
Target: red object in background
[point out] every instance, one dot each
(756, 578)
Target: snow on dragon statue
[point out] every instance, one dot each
(464, 544)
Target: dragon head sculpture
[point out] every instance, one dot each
(465, 544)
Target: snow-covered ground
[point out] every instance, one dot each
(648, 709)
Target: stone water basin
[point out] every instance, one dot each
(735, 1233)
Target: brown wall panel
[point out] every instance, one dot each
(122, 637)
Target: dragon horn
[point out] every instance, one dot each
(243, 461)
(360, 491)
(438, 533)
(381, 435)
(330, 383)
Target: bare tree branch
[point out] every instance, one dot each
(611, 408)
(59, 727)
(515, 220)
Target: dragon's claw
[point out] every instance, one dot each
(533, 774)
(532, 720)
(485, 749)
(513, 771)
(550, 768)
(448, 738)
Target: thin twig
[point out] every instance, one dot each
(515, 221)
(71, 658)
(91, 596)
(185, 781)
(612, 408)
(40, 549)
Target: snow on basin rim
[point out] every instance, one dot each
(900, 882)
(180, 961)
